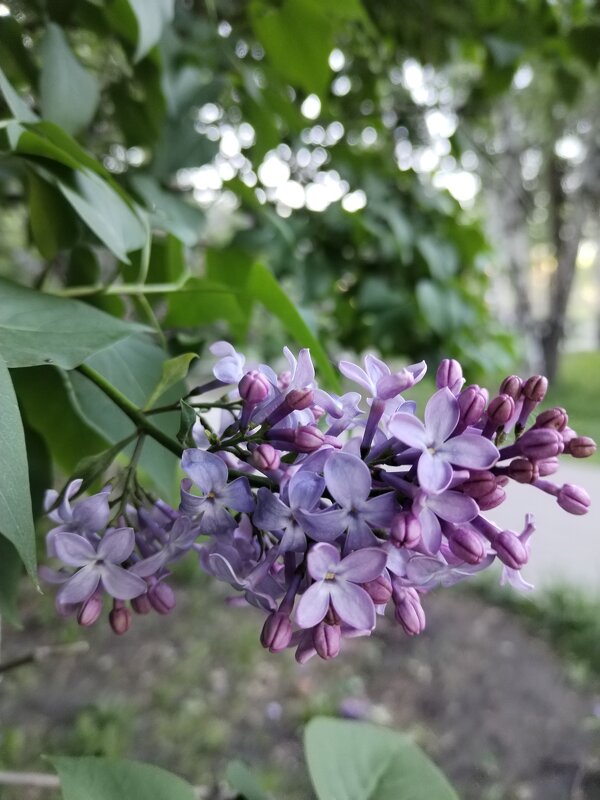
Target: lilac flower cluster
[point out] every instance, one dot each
(317, 512)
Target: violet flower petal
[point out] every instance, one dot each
(80, 586)
(441, 416)
(469, 450)
(348, 479)
(353, 604)
(206, 470)
(362, 565)
(305, 490)
(120, 583)
(433, 472)
(453, 506)
(431, 530)
(237, 495)
(73, 549)
(322, 559)
(270, 514)
(313, 604)
(409, 430)
(323, 526)
(356, 374)
(117, 545)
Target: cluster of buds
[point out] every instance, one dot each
(319, 513)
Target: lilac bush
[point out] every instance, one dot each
(318, 512)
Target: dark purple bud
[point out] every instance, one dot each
(512, 386)
(492, 499)
(405, 530)
(573, 499)
(254, 387)
(299, 399)
(552, 418)
(119, 618)
(538, 443)
(471, 403)
(510, 549)
(479, 484)
(90, 610)
(162, 598)
(308, 438)
(547, 466)
(265, 457)
(332, 441)
(332, 617)
(379, 590)
(581, 447)
(466, 545)
(535, 388)
(523, 470)
(409, 611)
(501, 409)
(277, 632)
(327, 639)
(141, 604)
(449, 375)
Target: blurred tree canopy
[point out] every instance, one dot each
(313, 140)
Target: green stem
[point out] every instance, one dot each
(175, 407)
(129, 476)
(131, 410)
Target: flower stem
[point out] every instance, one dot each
(131, 410)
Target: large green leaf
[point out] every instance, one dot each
(173, 371)
(115, 779)
(359, 761)
(18, 107)
(134, 367)
(200, 302)
(69, 93)
(37, 328)
(150, 18)
(10, 574)
(16, 518)
(53, 224)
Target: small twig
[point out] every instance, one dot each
(43, 652)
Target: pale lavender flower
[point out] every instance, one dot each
(88, 516)
(378, 379)
(438, 451)
(337, 583)
(209, 473)
(230, 366)
(100, 565)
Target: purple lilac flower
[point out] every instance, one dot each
(100, 565)
(337, 583)
(209, 473)
(438, 450)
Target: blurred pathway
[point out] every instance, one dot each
(565, 548)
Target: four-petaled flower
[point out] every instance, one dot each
(438, 451)
(336, 582)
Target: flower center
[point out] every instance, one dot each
(329, 576)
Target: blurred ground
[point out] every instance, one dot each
(494, 706)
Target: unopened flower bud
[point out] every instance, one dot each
(276, 633)
(265, 458)
(492, 499)
(119, 618)
(511, 551)
(471, 403)
(552, 418)
(573, 499)
(318, 413)
(481, 483)
(90, 610)
(141, 604)
(538, 443)
(299, 399)
(308, 438)
(379, 590)
(409, 611)
(405, 530)
(523, 470)
(162, 598)
(581, 447)
(512, 386)
(535, 388)
(254, 387)
(547, 466)
(449, 375)
(327, 640)
(501, 409)
(466, 545)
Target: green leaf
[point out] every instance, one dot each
(39, 463)
(201, 301)
(116, 779)
(298, 38)
(359, 761)
(18, 107)
(168, 212)
(16, 517)
(133, 366)
(243, 781)
(90, 468)
(52, 415)
(52, 222)
(69, 94)
(151, 17)
(186, 423)
(173, 371)
(10, 575)
(37, 328)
